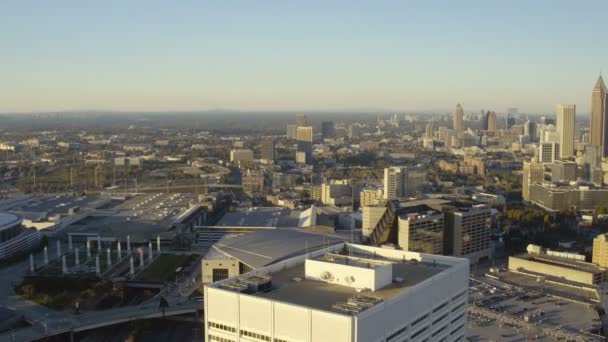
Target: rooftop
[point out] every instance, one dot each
(8, 220)
(293, 282)
(572, 264)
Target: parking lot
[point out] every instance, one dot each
(510, 314)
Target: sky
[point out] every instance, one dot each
(148, 55)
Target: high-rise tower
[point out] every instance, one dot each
(599, 124)
(565, 128)
(458, 119)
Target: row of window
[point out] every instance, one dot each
(440, 330)
(219, 339)
(456, 297)
(222, 327)
(419, 319)
(441, 306)
(255, 335)
(459, 306)
(457, 318)
(396, 334)
(440, 318)
(419, 332)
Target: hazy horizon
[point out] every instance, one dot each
(313, 56)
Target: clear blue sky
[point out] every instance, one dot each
(300, 55)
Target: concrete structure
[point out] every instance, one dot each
(566, 129)
(14, 238)
(319, 297)
(600, 250)
(304, 139)
(598, 121)
(421, 231)
(403, 181)
(241, 155)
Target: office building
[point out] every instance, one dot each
(403, 181)
(354, 131)
(429, 131)
(565, 128)
(557, 267)
(267, 150)
(530, 130)
(560, 197)
(458, 120)
(548, 152)
(563, 171)
(468, 231)
(343, 293)
(371, 197)
(241, 155)
(421, 230)
(328, 129)
(292, 131)
(599, 122)
(490, 121)
(301, 120)
(600, 250)
(304, 145)
(253, 181)
(533, 172)
(593, 165)
(337, 193)
(370, 218)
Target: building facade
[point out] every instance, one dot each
(403, 181)
(566, 129)
(598, 122)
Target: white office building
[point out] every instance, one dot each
(343, 293)
(403, 181)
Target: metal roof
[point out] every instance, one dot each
(262, 248)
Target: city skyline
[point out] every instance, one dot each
(313, 57)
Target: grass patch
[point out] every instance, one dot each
(60, 293)
(163, 268)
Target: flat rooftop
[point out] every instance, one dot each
(561, 262)
(291, 286)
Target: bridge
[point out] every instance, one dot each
(70, 324)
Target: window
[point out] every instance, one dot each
(396, 334)
(440, 318)
(213, 325)
(419, 319)
(419, 332)
(459, 306)
(439, 331)
(220, 274)
(441, 306)
(219, 339)
(255, 335)
(456, 297)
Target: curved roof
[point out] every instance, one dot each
(8, 220)
(265, 247)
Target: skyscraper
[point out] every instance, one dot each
(403, 181)
(267, 150)
(301, 120)
(490, 121)
(533, 172)
(565, 128)
(304, 145)
(458, 120)
(327, 129)
(599, 124)
(530, 130)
